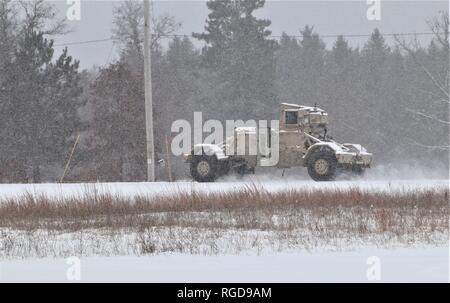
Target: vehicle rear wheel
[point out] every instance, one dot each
(204, 168)
(322, 165)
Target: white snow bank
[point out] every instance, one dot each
(162, 188)
(425, 264)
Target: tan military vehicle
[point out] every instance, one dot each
(302, 141)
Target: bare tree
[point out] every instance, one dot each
(8, 27)
(129, 24)
(438, 91)
(440, 29)
(41, 16)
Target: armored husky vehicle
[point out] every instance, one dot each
(302, 140)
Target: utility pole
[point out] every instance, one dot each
(148, 93)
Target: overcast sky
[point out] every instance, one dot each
(327, 17)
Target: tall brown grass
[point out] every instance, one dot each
(197, 222)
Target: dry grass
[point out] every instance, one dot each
(220, 222)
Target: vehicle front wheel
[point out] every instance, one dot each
(322, 165)
(204, 168)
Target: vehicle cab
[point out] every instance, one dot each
(311, 120)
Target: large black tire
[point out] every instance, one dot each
(322, 165)
(204, 168)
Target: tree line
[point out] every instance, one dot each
(393, 99)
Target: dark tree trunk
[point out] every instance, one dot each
(21, 173)
(36, 173)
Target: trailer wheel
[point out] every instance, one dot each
(204, 168)
(322, 165)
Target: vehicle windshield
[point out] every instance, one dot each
(318, 124)
(318, 118)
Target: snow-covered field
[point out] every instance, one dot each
(163, 188)
(229, 254)
(426, 264)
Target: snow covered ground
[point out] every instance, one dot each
(417, 263)
(162, 188)
(426, 264)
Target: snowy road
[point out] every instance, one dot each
(426, 264)
(164, 188)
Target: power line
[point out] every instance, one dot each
(84, 42)
(271, 36)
